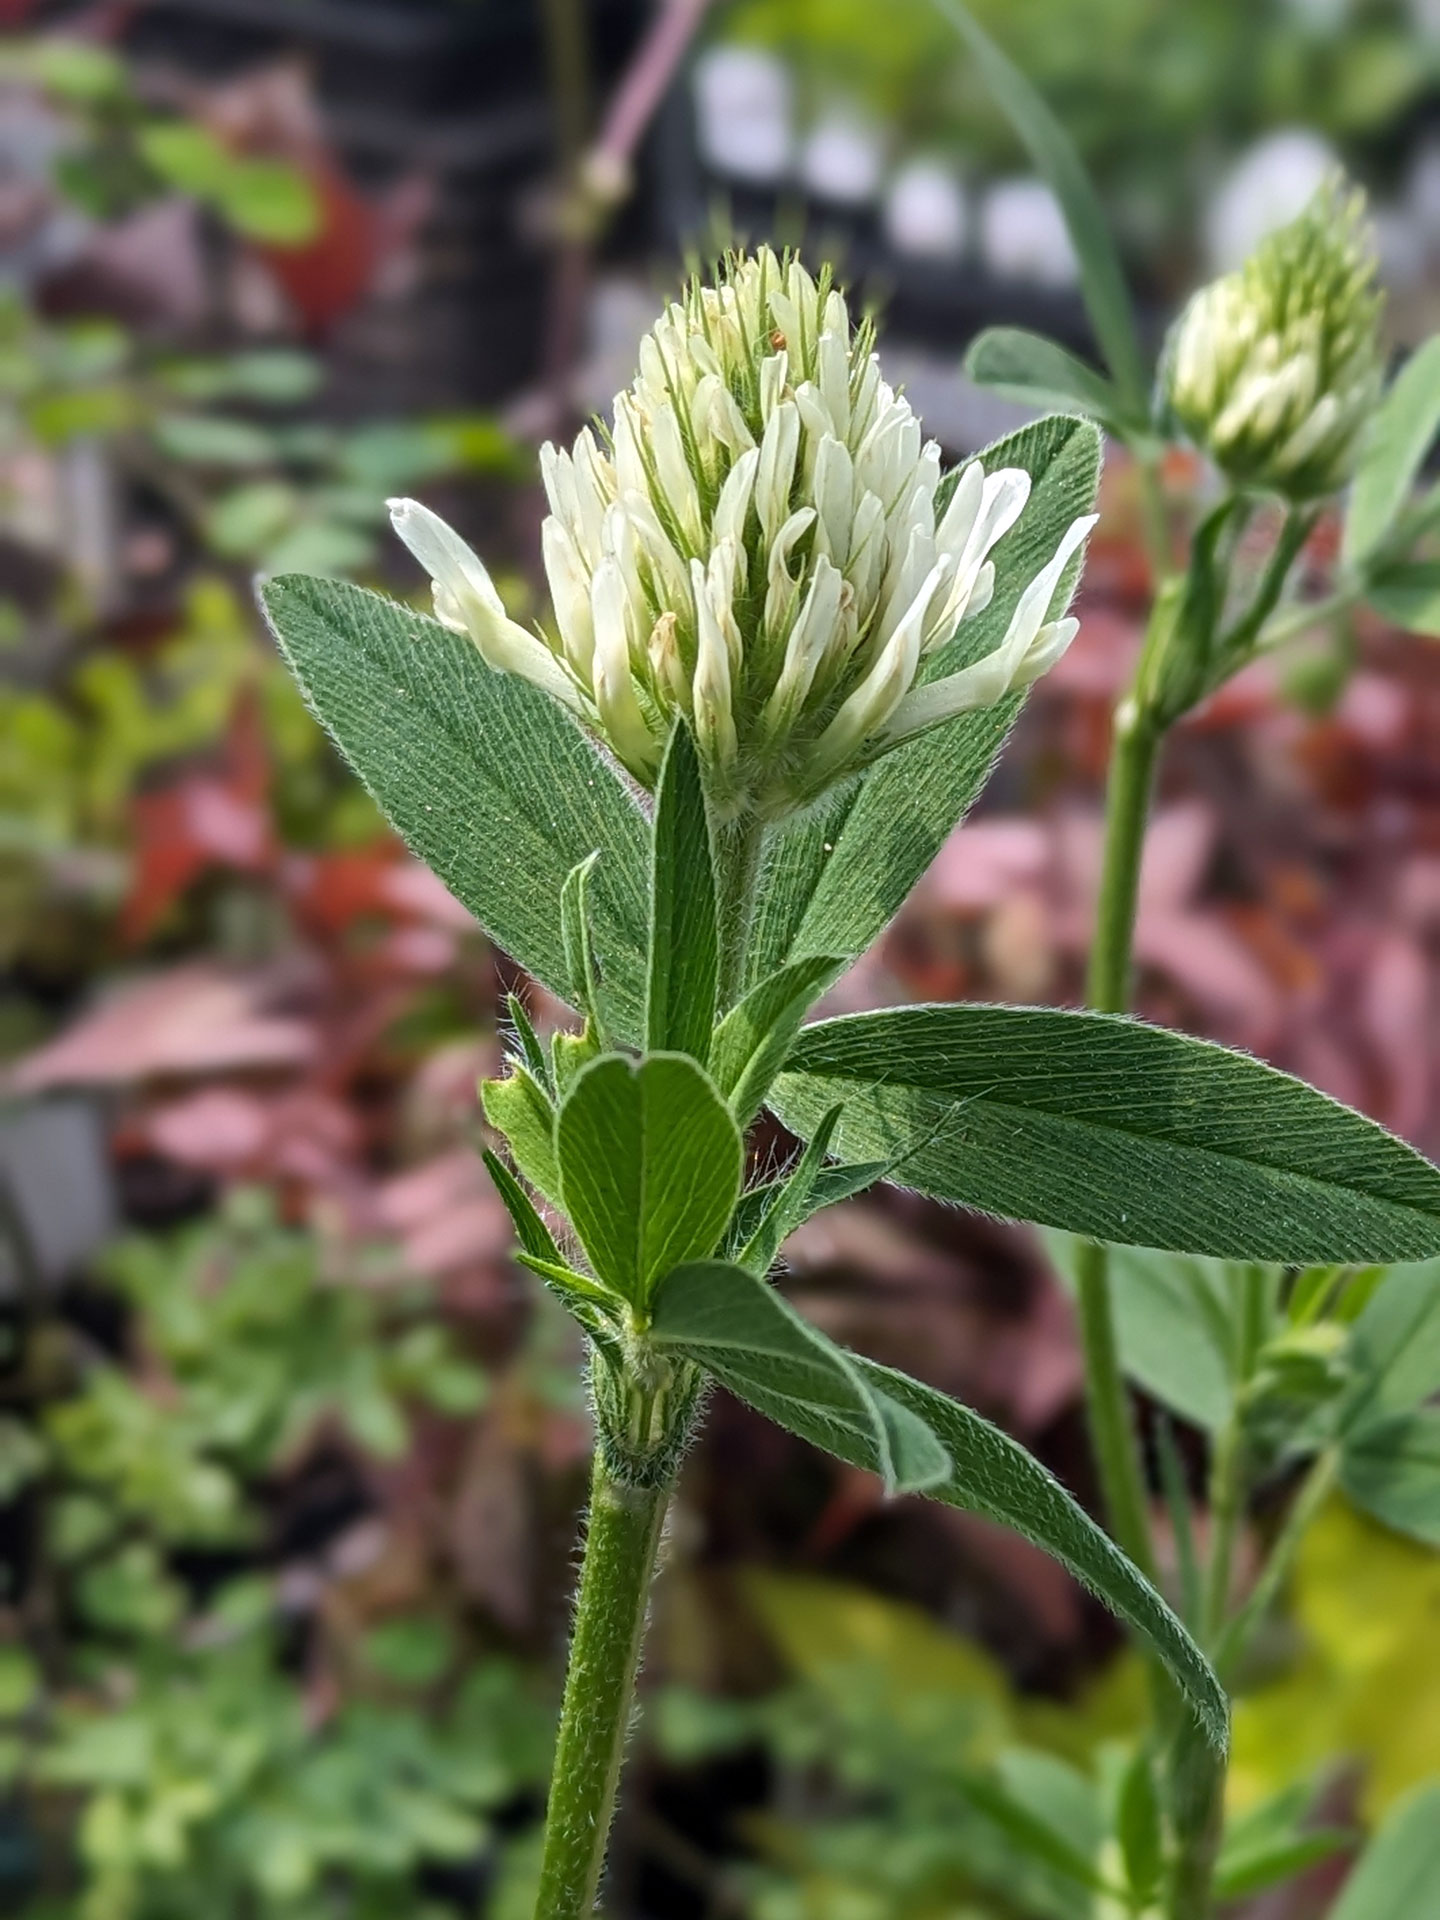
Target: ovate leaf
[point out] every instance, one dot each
(485, 778)
(833, 880)
(1395, 1343)
(1408, 595)
(650, 1163)
(684, 946)
(1391, 1468)
(1398, 1877)
(1036, 372)
(752, 1340)
(1171, 1314)
(1396, 442)
(1107, 1127)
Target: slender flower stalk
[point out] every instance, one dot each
(763, 543)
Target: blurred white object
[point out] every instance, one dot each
(842, 159)
(925, 212)
(1402, 247)
(1322, 17)
(1422, 188)
(1023, 237)
(1269, 184)
(743, 102)
(1426, 16)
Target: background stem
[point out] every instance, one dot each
(622, 1537)
(1112, 1425)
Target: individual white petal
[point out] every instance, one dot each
(833, 488)
(866, 565)
(781, 585)
(774, 383)
(868, 708)
(958, 518)
(673, 478)
(733, 507)
(813, 636)
(670, 580)
(450, 562)
(908, 569)
(615, 700)
(714, 713)
(833, 376)
(775, 476)
(569, 594)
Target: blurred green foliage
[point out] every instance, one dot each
(170, 1719)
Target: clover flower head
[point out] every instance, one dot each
(763, 543)
(1275, 369)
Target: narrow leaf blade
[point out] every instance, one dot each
(1408, 595)
(994, 1476)
(1104, 1126)
(684, 961)
(483, 776)
(1102, 278)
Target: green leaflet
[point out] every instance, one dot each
(1398, 1877)
(1037, 372)
(1173, 1322)
(650, 1164)
(1107, 1127)
(1396, 442)
(994, 1476)
(751, 1042)
(485, 778)
(833, 880)
(1391, 1468)
(684, 957)
(1395, 1343)
(752, 1340)
(1408, 594)
(518, 1108)
(530, 1229)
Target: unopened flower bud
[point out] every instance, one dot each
(763, 546)
(1274, 369)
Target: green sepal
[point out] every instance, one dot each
(569, 1053)
(519, 1108)
(579, 953)
(592, 1306)
(533, 1234)
(531, 1050)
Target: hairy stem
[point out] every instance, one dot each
(622, 1537)
(1112, 1425)
(737, 848)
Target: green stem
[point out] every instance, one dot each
(1227, 1505)
(737, 849)
(622, 1537)
(1112, 1425)
(1314, 1492)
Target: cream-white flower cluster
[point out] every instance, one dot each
(1275, 369)
(764, 544)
